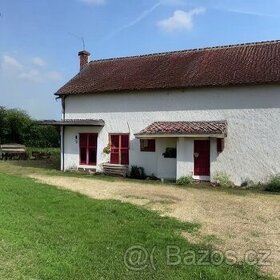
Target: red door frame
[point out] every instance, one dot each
(120, 149)
(88, 147)
(201, 157)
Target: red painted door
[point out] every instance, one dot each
(88, 148)
(202, 158)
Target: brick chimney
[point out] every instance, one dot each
(83, 58)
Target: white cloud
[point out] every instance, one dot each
(35, 75)
(54, 76)
(10, 64)
(31, 75)
(94, 2)
(11, 67)
(38, 61)
(248, 13)
(180, 20)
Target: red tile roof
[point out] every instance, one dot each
(247, 64)
(185, 128)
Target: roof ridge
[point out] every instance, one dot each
(210, 121)
(190, 50)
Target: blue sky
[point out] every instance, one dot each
(39, 38)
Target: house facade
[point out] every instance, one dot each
(193, 113)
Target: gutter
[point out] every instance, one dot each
(153, 136)
(62, 134)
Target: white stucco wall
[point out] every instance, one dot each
(154, 162)
(166, 167)
(185, 160)
(252, 148)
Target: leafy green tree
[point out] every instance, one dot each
(16, 126)
(18, 123)
(2, 124)
(43, 136)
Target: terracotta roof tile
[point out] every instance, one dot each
(186, 128)
(256, 63)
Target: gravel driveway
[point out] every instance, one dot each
(228, 221)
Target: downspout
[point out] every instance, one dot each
(62, 133)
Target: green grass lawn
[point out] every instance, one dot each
(47, 233)
(51, 167)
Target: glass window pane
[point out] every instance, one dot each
(124, 157)
(115, 141)
(114, 158)
(92, 156)
(125, 141)
(83, 155)
(147, 145)
(92, 140)
(83, 139)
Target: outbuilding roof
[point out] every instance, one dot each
(246, 64)
(201, 128)
(73, 122)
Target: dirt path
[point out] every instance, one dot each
(229, 222)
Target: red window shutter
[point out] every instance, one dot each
(124, 149)
(119, 149)
(115, 153)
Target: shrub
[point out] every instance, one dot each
(247, 183)
(184, 181)
(137, 172)
(223, 180)
(107, 149)
(273, 184)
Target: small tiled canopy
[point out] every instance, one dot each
(181, 128)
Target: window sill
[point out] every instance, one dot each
(115, 164)
(85, 166)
